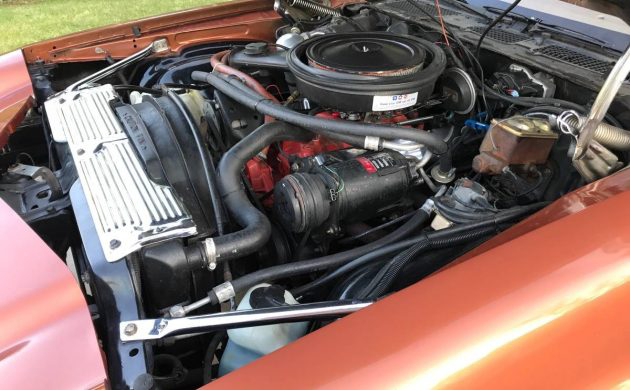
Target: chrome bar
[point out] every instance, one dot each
(604, 98)
(152, 329)
(158, 46)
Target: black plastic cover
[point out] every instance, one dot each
(268, 59)
(164, 126)
(352, 190)
(269, 296)
(139, 136)
(166, 274)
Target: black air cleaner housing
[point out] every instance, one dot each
(366, 71)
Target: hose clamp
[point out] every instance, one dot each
(224, 292)
(371, 143)
(428, 206)
(210, 250)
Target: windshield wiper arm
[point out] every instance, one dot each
(570, 32)
(512, 14)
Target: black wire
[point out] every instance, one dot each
(480, 79)
(539, 181)
(494, 23)
(125, 87)
(468, 54)
(184, 86)
(376, 228)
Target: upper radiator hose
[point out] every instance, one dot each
(256, 227)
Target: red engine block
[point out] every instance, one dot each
(263, 173)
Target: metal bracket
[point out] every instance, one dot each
(44, 173)
(597, 162)
(152, 329)
(548, 88)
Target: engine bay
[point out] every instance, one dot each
(220, 203)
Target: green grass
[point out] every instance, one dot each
(27, 21)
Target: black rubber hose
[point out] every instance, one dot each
(256, 227)
(354, 140)
(489, 222)
(366, 258)
(546, 109)
(230, 87)
(208, 166)
(337, 259)
(460, 216)
(446, 162)
(217, 205)
(321, 263)
(385, 277)
(376, 228)
(208, 358)
(440, 239)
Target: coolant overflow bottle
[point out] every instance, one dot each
(248, 344)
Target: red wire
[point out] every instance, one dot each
(439, 10)
(276, 87)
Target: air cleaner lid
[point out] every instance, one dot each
(365, 54)
(366, 71)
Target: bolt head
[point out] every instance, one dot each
(177, 311)
(131, 329)
(113, 244)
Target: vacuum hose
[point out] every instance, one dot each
(235, 89)
(224, 291)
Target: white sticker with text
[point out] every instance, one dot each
(395, 102)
